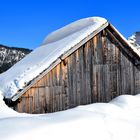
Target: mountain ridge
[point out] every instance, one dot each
(134, 39)
(10, 55)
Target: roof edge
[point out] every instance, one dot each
(134, 49)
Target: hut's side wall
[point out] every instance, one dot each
(97, 72)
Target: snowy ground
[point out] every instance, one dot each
(117, 120)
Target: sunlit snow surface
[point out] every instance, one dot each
(55, 44)
(116, 120)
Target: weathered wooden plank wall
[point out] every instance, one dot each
(97, 72)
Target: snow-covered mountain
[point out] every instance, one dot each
(135, 40)
(10, 55)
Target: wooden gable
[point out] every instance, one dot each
(99, 70)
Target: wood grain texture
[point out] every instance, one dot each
(98, 71)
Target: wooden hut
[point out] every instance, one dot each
(100, 67)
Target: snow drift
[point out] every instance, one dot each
(116, 120)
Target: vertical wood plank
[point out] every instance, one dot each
(78, 77)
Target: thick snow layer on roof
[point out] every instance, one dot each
(56, 44)
(116, 120)
(73, 28)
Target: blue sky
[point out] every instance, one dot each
(25, 23)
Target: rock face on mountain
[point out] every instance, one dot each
(135, 40)
(10, 55)
(138, 38)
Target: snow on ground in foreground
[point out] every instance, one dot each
(117, 120)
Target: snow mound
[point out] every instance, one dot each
(5, 111)
(55, 45)
(73, 28)
(116, 120)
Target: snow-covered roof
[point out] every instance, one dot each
(55, 45)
